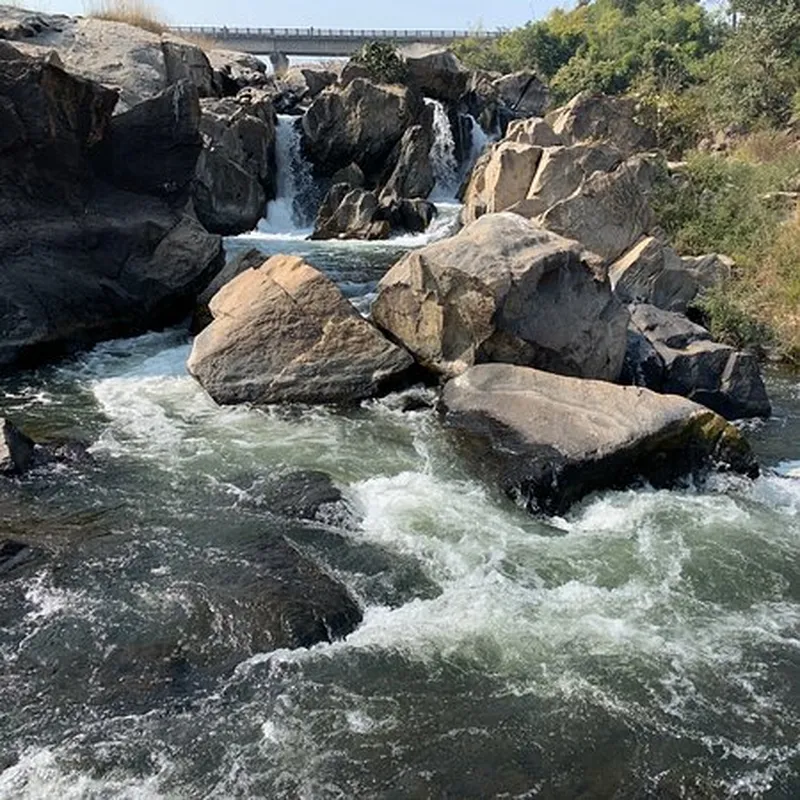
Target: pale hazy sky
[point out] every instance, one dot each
(454, 14)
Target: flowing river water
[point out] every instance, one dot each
(647, 644)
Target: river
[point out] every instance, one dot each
(647, 644)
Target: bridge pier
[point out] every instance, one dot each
(279, 61)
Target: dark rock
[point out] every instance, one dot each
(15, 554)
(16, 449)
(350, 175)
(413, 173)
(678, 357)
(434, 71)
(153, 148)
(306, 495)
(80, 259)
(550, 440)
(236, 71)
(187, 62)
(350, 214)
(359, 123)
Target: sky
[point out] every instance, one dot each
(448, 14)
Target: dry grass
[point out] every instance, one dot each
(765, 147)
(133, 12)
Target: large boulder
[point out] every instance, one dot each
(668, 353)
(435, 72)
(235, 174)
(652, 272)
(523, 93)
(235, 71)
(553, 439)
(504, 289)
(306, 82)
(533, 130)
(82, 259)
(285, 333)
(500, 179)
(360, 123)
(607, 214)
(597, 117)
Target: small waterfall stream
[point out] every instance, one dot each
(443, 154)
(288, 212)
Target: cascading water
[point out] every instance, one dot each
(288, 212)
(479, 141)
(443, 154)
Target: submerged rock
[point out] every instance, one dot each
(16, 449)
(504, 289)
(553, 439)
(285, 333)
(15, 554)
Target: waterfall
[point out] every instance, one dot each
(443, 154)
(288, 212)
(479, 141)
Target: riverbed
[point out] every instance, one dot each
(647, 644)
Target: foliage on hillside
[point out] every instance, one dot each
(734, 73)
(382, 62)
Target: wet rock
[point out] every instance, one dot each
(652, 272)
(551, 439)
(361, 123)
(523, 93)
(16, 554)
(16, 449)
(667, 352)
(503, 289)
(285, 333)
(307, 495)
(594, 117)
(348, 213)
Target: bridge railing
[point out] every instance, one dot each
(329, 33)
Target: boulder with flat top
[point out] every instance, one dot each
(550, 440)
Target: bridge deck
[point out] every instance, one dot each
(319, 41)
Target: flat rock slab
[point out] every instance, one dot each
(285, 333)
(554, 439)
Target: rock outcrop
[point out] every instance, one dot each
(285, 333)
(435, 72)
(550, 439)
(652, 272)
(360, 123)
(668, 353)
(413, 174)
(504, 289)
(597, 117)
(89, 249)
(235, 174)
(351, 213)
(523, 93)
(137, 63)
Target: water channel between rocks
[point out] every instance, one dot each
(647, 644)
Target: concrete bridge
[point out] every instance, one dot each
(319, 42)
